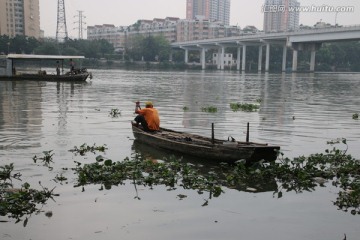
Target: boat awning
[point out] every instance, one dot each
(41, 57)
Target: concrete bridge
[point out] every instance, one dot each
(302, 40)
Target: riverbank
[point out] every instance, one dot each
(142, 65)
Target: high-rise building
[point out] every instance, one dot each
(20, 17)
(281, 15)
(213, 10)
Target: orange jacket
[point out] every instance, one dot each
(152, 117)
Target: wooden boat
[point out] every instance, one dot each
(11, 60)
(206, 148)
(77, 77)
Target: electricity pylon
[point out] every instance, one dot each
(80, 23)
(61, 29)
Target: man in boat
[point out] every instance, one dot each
(148, 117)
(57, 68)
(72, 65)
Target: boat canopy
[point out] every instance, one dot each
(7, 64)
(41, 57)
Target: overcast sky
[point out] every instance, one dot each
(127, 12)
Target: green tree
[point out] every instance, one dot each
(134, 48)
(151, 48)
(4, 44)
(47, 47)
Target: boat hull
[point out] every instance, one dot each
(37, 77)
(202, 147)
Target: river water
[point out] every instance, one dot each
(299, 112)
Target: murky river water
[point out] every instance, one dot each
(299, 112)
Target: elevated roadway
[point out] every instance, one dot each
(302, 40)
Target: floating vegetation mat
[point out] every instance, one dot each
(245, 107)
(299, 174)
(20, 202)
(114, 113)
(210, 109)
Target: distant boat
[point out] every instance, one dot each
(8, 68)
(206, 148)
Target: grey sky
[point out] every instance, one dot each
(127, 12)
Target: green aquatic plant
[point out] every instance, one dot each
(299, 174)
(303, 173)
(115, 113)
(84, 148)
(245, 107)
(210, 109)
(306, 173)
(46, 159)
(172, 173)
(60, 178)
(185, 108)
(17, 203)
(355, 116)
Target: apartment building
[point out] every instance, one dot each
(118, 36)
(190, 30)
(278, 17)
(212, 10)
(173, 29)
(114, 35)
(20, 17)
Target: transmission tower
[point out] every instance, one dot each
(80, 23)
(61, 30)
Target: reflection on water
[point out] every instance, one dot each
(299, 112)
(148, 152)
(20, 115)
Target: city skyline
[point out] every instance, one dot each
(127, 12)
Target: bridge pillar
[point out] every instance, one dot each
(284, 58)
(243, 67)
(202, 59)
(222, 58)
(171, 56)
(295, 60)
(186, 60)
(218, 59)
(260, 58)
(313, 48)
(312, 60)
(267, 63)
(238, 61)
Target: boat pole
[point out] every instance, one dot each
(212, 133)
(247, 132)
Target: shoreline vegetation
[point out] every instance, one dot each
(300, 174)
(142, 65)
(154, 52)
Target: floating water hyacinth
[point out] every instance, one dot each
(211, 109)
(115, 112)
(245, 107)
